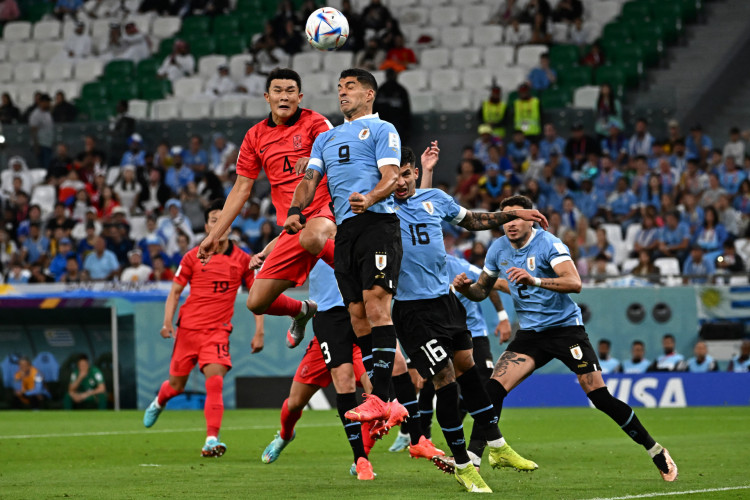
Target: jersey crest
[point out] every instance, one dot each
(381, 260)
(531, 263)
(364, 134)
(576, 352)
(429, 207)
(297, 142)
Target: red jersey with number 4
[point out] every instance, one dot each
(213, 288)
(276, 149)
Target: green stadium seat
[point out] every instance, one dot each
(119, 69)
(226, 24)
(204, 47)
(633, 70)
(669, 15)
(195, 25)
(574, 76)
(559, 97)
(36, 11)
(165, 48)
(93, 91)
(691, 8)
(230, 45)
(613, 75)
(251, 23)
(148, 67)
(564, 54)
(627, 51)
(652, 51)
(154, 90)
(636, 10)
(618, 31)
(122, 90)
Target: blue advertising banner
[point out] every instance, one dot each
(650, 390)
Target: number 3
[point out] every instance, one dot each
(326, 352)
(434, 353)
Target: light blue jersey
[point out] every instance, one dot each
(628, 366)
(474, 317)
(708, 365)
(424, 273)
(740, 366)
(323, 287)
(610, 365)
(352, 155)
(537, 308)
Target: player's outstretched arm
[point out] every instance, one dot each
(239, 194)
(479, 221)
(567, 281)
(474, 291)
(429, 159)
(388, 180)
(304, 194)
(170, 306)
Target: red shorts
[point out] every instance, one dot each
(197, 346)
(312, 369)
(288, 260)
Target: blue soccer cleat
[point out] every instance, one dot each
(152, 413)
(213, 448)
(401, 443)
(273, 450)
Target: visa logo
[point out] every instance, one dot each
(649, 391)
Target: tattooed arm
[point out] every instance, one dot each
(303, 196)
(479, 221)
(567, 281)
(476, 292)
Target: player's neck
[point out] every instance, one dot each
(520, 244)
(278, 120)
(359, 114)
(223, 245)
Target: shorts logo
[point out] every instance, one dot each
(297, 141)
(429, 207)
(531, 263)
(364, 134)
(381, 260)
(576, 352)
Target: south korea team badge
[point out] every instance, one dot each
(576, 352)
(531, 263)
(381, 260)
(428, 207)
(364, 134)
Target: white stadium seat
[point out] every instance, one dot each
(455, 36)
(228, 107)
(317, 84)
(45, 196)
(167, 109)
(528, 55)
(138, 109)
(17, 31)
(435, 58)
(477, 79)
(6, 72)
(487, 36)
(452, 102)
(628, 265)
(413, 79)
(71, 88)
(510, 78)
(502, 55)
(237, 65)
(466, 57)
(445, 80)
(444, 16)
(472, 15)
(37, 176)
(585, 97)
(326, 105)
(164, 27)
(668, 266)
(138, 227)
(3, 51)
(307, 62)
(631, 233)
(22, 52)
(47, 30)
(379, 76)
(207, 65)
(49, 49)
(27, 72)
(429, 36)
(100, 29)
(187, 87)
(418, 16)
(68, 28)
(58, 70)
(257, 107)
(397, 4)
(606, 10)
(88, 69)
(143, 21)
(335, 62)
(559, 32)
(195, 109)
(422, 102)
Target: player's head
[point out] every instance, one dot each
(356, 89)
(83, 362)
(283, 92)
(700, 350)
(604, 347)
(24, 364)
(212, 214)
(517, 230)
(637, 351)
(668, 343)
(407, 176)
(745, 347)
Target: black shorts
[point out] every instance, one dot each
(367, 253)
(333, 328)
(483, 354)
(431, 330)
(569, 344)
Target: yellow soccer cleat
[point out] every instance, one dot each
(505, 456)
(469, 478)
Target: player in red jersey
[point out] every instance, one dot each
(274, 145)
(204, 326)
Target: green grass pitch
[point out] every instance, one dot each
(581, 454)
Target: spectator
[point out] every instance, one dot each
(679, 159)
(735, 147)
(615, 145)
(674, 238)
(729, 217)
(698, 144)
(490, 187)
(602, 246)
(59, 220)
(8, 248)
(137, 271)
(221, 83)
(107, 202)
(568, 11)
(86, 388)
(551, 142)
(540, 31)
(253, 84)
(269, 56)
(482, 144)
(698, 268)
(637, 362)
(73, 273)
(9, 11)
(532, 8)
(375, 15)
(608, 111)
(64, 111)
(533, 166)
(17, 275)
(179, 64)
(36, 246)
(701, 362)
(113, 47)
(646, 268)
(135, 155)
(515, 35)
(741, 362)
(492, 112)
(606, 181)
(393, 105)
(372, 57)
(712, 235)
(221, 154)
(128, 188)
(731, 178)
(730, 261)
(578, 33)
(641, 141)
(710, 196)
(542, 77)
(607, 363)
(594, 57)
(160, 272)
(42, 131)
(647, 237)
(172, 225)
(601, 270)
(670, 361)
(466, 189)
(622, 205)
(507, 12)
(9, 112)
(155, 193)
(65, 8)
(527, 113)
(39, 275)
(137, 45)
(291, 40)
(196, 157)
(78, 45)
(183, 247)
(179, 175)
(17, 169)
(579, 146)
(399, 57)
(28, 386)
(101, 264)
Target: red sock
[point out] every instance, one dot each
(214, 408)
(327, 253)
(288, 421)
(284, 306)
(166, 392)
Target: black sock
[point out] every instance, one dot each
(383, 353)
(478, 404)
(623, 415)
(365, 346)
(344, 403)
(425, 408)
(450, 421)
(497, 393)
(478, 439)
(407, 396)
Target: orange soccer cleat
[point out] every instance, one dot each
(425, 449)
(372, 409)
(364, 470)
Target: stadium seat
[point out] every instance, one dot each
(455, 36)
(325, 105)
(499, 56)
(528, 55)
(487, 36)
(452, 102)
(154, 89)
(611, 74)
(524, 29)
(68, 28)
(88, 69)
(559, 32)
(207, 65)
(420, 37)
(417, 16)
(477, 79)
(196, 24)
(668, 266)
(738, 280)
(229, 23)
(9, 367)
(445, 80)
(137, 227)
(380, 76)
(556, 98)
(237, 65)
(38, 175)
(399, 4)
(45, 196)
(307, 62)
(195, 109)
(122, 90)
(233, 44)
(167, 109)
(22, 52)
(742, 246)
(165, 27)
(47, 365)
(113, 173)
(317, 84)
(6, 72)
(444, 16)
(257, 107)
(605, 11)
(466, 57)
(422, 102)
(46, 30)
(631, 233)
(49, 49)
(435, 58)
(138, 109)
(510, 78)
(27, 72)
(119, 70)
(628, 265)
(187, 87)
(413, 79)
(228, 107)
(3, 51)
(475, 14)
(335, 62)
(586, 97)
(143, 21)
(17, 31)
(100, 29)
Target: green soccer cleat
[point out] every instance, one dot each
(213, 448)
(273, 450)
(401, 443)
(151, 414)
(505, 456)
(469, 478)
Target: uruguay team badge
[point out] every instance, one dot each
(381, 260)
(576, 352)
(297, 141)
(428, 207)
(364, 134)
(531, 263)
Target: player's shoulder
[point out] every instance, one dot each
(308, 115)
(433, 194)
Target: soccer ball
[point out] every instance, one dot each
(327, 29)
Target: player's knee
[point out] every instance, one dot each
(377, 314)
(343, 379)
(444, 377)
(399, 365)
(255, 305)
(215, 384)
(295, 404)
(312, 241)
(177, 384)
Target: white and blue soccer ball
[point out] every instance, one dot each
(327, 29)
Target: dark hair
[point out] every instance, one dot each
(213, 205)
(679, 142)
(72, 257)
(517, 200)
(408, 157)
(283, 74)
(362, 76)
(712, 209)
(668, 336)
(605, 341)
(638, 342)
(83, 356)
(734, 130)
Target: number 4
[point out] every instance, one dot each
(435, 353)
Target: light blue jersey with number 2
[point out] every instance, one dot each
(474, 317)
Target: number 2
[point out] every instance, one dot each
(326, 352)
(521, 289)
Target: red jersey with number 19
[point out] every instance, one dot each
(213, 288)
(276, 149)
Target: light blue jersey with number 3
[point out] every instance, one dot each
(537, 308)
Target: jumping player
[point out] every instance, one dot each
(204, 326)
(274, 146)
(539, 274)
